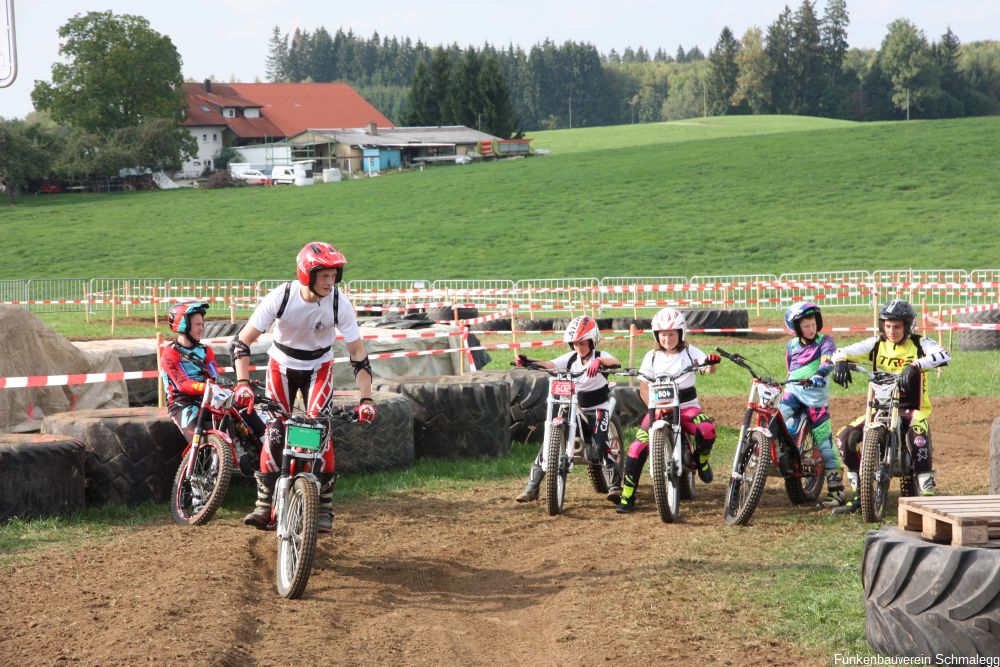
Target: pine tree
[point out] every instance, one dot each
(778, 47)
(277, 56)
(806, 62)
(498, 112)
(723, 72)
(421, 109)
(833, 37)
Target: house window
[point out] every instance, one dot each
(215, 137)
(229, 112)
(196, 163)
(251, 112)
(204, 137)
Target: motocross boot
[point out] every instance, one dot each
(633, 468)
(704, 467)
(613, 474)
(260, 518)
(534, 481)
(835, 496)
(327, 480)
(925, 483)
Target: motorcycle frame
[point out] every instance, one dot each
(771, 424)
(886, 414)
(679, 439)
(556, 409)
(218, 426)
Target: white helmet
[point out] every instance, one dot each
(667, 319)
(582, 328)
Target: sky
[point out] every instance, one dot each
(227, 39)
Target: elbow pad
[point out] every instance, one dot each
(362, 365)
(238, 349)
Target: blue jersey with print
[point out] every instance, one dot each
(806, 360)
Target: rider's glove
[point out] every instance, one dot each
(909, 377)
(364, 411)
(243, 394)
(816, 382)
(842, 373)
(594, 367)
(712, 359)
(522, 360)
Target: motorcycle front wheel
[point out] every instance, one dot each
(196, 497)
(298, 546)
(874, 475)
(666, 487)
(748, 479)
(555, 473)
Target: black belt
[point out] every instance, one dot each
(304, 355)
(594, 397)
(687, 394)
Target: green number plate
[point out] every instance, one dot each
(303, 437)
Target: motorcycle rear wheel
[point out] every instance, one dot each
(806, 490)
(296, 551)
(196, 497)
(598, 477)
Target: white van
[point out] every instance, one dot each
(299, 173)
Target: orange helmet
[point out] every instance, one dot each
(179, 316)
(317, 256)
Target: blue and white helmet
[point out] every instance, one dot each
(799, 311)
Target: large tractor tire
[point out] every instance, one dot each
(456, 416)
(40, 476)
(528, 391)
(926, 599)
(979, 339)
(995, 458)
(631, 408)
(701, 318)
(131, 453)
(385, 444)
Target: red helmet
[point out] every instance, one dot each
(179, 316)
(317, 256)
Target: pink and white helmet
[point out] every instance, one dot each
(582, 328)
(667, 319)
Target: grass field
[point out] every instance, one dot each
(633, 200)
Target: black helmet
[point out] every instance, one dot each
(900, 310)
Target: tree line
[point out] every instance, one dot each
(799, 64)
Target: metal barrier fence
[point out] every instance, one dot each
(830, 289)
(979, 296)
(735, 291)
(492, 294)
(642, 292)
(937, 288)
(140, 294)
(57, 289)
(559, 295)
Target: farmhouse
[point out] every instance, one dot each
(240, 114)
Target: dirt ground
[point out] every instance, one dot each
(465, 578)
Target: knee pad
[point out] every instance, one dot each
(704, 434)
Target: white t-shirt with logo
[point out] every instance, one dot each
(583, 383)
(658, 362)
(305, 325)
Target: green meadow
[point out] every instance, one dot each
(719, 196)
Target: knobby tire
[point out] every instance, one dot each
(555, 482)
(753, 463)
(295, 555)
(209, 482)
(873, 491)
(658, 465)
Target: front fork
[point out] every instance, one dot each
(560, 420)
(675, 445)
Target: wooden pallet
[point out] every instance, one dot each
(965, 521)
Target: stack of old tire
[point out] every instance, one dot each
(926, 599)
(455, 415)
(979, 339)
(40, 475)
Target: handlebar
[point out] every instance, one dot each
(744, 363)
(556, 372)
(636, 372)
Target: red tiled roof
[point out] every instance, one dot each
(222, 95)
(295, 107)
